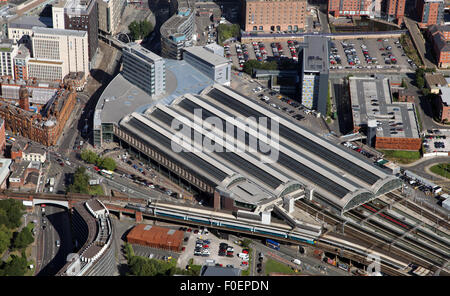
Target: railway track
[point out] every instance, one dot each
(441, 221)
(374, 239)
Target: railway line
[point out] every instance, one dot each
(376, 239)
(441, 221)
(407, 227)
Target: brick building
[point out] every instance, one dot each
(44, 127)
(391, 10)
(405, 95)
(440, 37)
(274, 15)
(394, 10)
(430, 12)
(25, 176)
(442, 104)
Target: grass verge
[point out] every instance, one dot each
(275, 266)
(400, 156)
(442, 169)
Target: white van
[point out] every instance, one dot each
(243, 256)
(296, 261)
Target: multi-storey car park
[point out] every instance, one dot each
(339, 179)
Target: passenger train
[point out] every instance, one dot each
(306, 234)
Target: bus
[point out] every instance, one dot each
(107, 174)
(272, 244)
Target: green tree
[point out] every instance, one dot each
(11, 212)
(107, 163)
(139, 30)
(23, 239)
(227, 31)
(5, 238)
(16, 267)
(89, 156)
(80, 182)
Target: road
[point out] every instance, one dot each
(50, 257)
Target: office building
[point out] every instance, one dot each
(35, 153)
(396, 122)
(109, 13)
(144, 68)
(21, 29)
(314, 72)
(7, 53)
(430, 12)
(57, 52)
(5, 164)
(177, 32)
(81, 15)
(274, 16)
(214, 66)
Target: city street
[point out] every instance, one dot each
(51, 258)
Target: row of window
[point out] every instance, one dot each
(276, 28)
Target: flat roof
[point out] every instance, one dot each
(59, 32)
(209, 57)
(315, 54)
(121, 97)
(445, 95)
(302, 157)
(371, 99)
(142, 52)
(435, 80)
(30, 21)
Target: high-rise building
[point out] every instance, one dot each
(144, 69)
(109, 12)
(339, 8)
(178, 31)
(274, 15)
(21, 63)
(430, 12)
(314, 73)
(81, 15)
(56, 52)
(7, 52)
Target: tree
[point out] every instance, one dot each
(11, 212)
(80, 182)
(5, 238)
(139, 30)
(107, 163)
(89, 156)
(16, 267)
(23, 239)
(227, 31)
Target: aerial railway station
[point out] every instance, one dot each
(304, 165)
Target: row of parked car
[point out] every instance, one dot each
(202, 248)
(358, 149)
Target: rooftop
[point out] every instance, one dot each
(301, 157)
(59, 32)
(371, 99)
(121, 97)
(142, 52)
(219, 271)
(30, 21)
(315, 54)
(445, 95)
(208, 56)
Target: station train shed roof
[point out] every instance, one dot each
(296, 157)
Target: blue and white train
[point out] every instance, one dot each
(306, 234)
